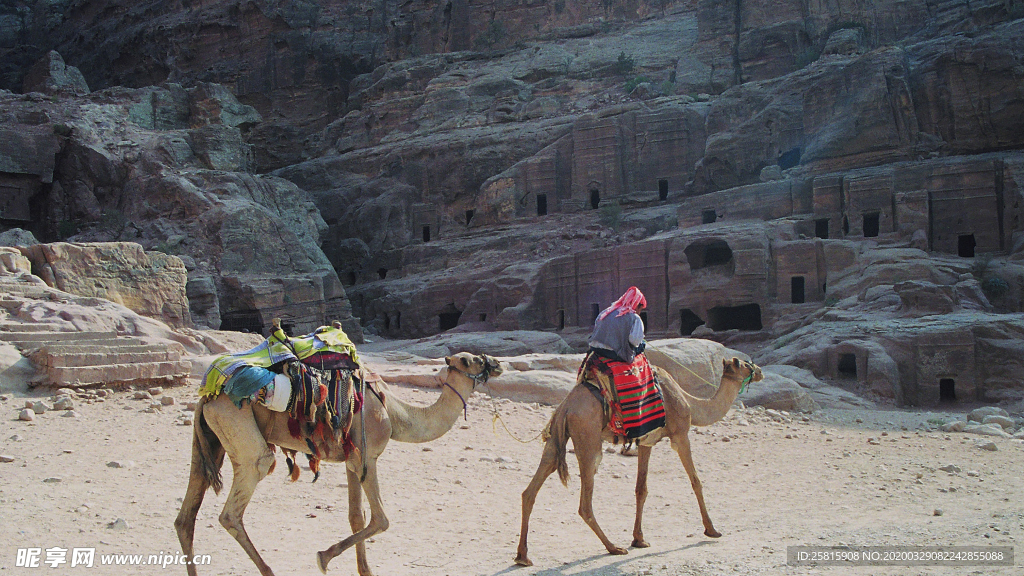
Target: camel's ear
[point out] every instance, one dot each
(736, 363)
(448, 360)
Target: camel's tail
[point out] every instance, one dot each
(207, 449)
(557, 434)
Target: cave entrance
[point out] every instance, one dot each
(594, 311)
(688, 322)
(382, 273)
(662, 190)
(426, 233)
(703, 254)
(745, 317)
(542, 204)
(595, 198)
(871, 224)
(449, 318)
(351, 277)
(469, 216)
(821, 228)
(561, 319)
(947, 390)
(796, 289)
(248, 321)
(847, 366)
(965, 245)
(709, 217)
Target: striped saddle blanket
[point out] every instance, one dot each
(634, 403)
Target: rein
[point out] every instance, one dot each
(477, 379)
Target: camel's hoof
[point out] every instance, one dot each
(321, 561)
(640, 544)
(712, 533)
(522, 560)
(618, 551)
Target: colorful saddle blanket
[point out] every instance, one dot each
(321, 368)
(633, 401)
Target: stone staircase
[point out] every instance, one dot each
(95, 359)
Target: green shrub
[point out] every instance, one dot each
(994, 286)
(610, 215)
(632, 84)
(625, 64)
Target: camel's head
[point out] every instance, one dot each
(478, 367)
(743, 371)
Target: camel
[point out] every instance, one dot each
(246, 435)
(582, 417)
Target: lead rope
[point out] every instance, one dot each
(497, 418)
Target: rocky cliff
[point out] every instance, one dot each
(767, 172)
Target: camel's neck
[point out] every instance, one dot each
(425, 423)
(707, 411)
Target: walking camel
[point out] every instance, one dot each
(245, 436)
(581, 416)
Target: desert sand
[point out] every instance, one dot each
(112, 477)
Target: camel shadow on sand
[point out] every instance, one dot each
(613, 569)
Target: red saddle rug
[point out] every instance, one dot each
(635, 402)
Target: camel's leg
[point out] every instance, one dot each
(644, 459)
(185, 523)
(251, 460)
(378, 520)
(548, 464)
(588, 452)
(681, 443)
(357, 520)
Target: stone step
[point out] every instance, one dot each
(37, 339)
(30, 327)
(119, 348)
(116, 375)
(111, 355)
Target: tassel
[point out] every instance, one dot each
(293, 428)
(312, 448)
(335, 422)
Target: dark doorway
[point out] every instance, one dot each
(387, 322)
(688, 322)
(448, 320)
(382, 272)
(847, 367)
(469, 216)
(426, 233)
(248, 321)
(288, 328)
(947, 390)
(821, 228)
(398, 320)
(871, 225)
(703, 254)
(796, 289)
(561, 319)
(789, 158)
(709, 217)
(483, 317)
(595, 198)
(746, 317)
(351, 277)
(662, 189)
(542, 204)
(643, 318)
(846, 226)
(594, 311)
(965, 245)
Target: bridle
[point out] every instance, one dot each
(478, 378)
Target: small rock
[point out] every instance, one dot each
(873, 441)
(120, 464)
(16, 438)
(951, 468)
(120, 525)
(6, 458)
(192, 406)
(428, 449)
(186, 421)
(52, 480)
(4, 397)
(954, 426)
(142, 395)
(101, 393)
(990, 446)
(156, 391)
(63, 403)
(40, 407)
(1004, 421)
(70, 414)
(937, 512)
(167, 400)
(973, 473)
(987, 430)
(27, 415)
(156, 405)
(979, 414)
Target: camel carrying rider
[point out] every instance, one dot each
(617, 363)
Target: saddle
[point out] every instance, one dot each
(630, 394)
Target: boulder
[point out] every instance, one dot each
(543, 386)
(778, 393)
(149, 283)
(979, 414)
(51, 75)
(17, 237)
(695, 363)
(12, 261)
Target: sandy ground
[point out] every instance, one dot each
(454, 504)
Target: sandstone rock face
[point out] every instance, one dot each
(149, 283)
(51, 75)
